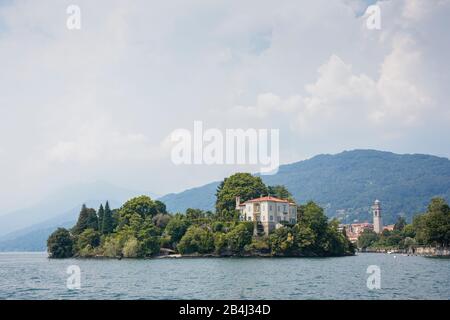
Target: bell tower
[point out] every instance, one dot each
(377, 221)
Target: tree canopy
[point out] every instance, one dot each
(141, 226)
(60, 244)
(243, 185)
(280, 191)
(431, 228)
(87, 219)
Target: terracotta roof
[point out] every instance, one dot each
(361, 224)
(268, 198)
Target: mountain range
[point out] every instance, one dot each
(27, 229)
(345, 184)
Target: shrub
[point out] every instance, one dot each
(196, 239)
(131, 248)
(60, 244)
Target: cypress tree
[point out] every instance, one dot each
(83, 221)
(92, 221)
(101, 213)
(86, 219)
(107, 226)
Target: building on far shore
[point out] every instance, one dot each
(268, 212)
(389, 227)
(354, 230)
(377, 220)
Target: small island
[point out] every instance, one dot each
(142, 228)
(250, 220)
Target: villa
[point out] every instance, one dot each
(269, 212)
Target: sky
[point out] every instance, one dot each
(100, 103)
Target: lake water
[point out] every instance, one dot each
(33, 276)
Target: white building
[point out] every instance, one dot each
(267, 211)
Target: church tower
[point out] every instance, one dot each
(377, 222)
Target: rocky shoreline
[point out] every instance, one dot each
(212, 255)
(418, 251)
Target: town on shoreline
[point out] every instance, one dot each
(250, 220)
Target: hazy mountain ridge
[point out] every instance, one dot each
(28, 229)
(60, 202)
(34, 238)
(347, 183)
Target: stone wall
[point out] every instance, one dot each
(430, 251)
(418, 251)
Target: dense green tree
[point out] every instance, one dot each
(88, 237)
(196, 240)
(87, 219)
(176, 228)
(142, 205)
(280, 191)
(258, 245)
(239, 237)
(147, 236)
(113, 245)
(305, 237)
(367, 239)
(400, 224)
(161, 220)
(92, 221)
(437, 223)
(408, 231)
(194, 214)
(282, 241)
(314, 217)
(60, 244)
(336, 242)
(107, 223)
(420, 229)
(409, 242)
(138, 229)
(220, 242)
(218, 226)
(160, 207)
(389, 239)
(131, 248)
(243, 185)
(87, 243)
(100, 213)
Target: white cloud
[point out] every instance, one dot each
(99, 103)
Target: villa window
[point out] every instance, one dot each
(271, 218)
